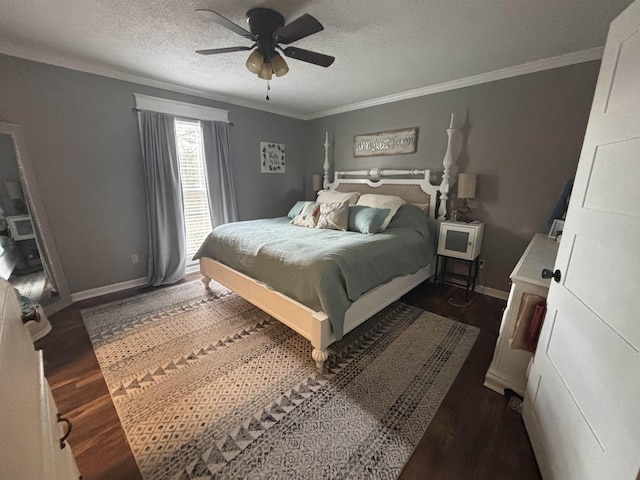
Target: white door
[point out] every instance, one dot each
(582, 403)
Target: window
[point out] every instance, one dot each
(191, 160)
(190, 149)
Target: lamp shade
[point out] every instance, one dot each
(278, 65)
(466, 185)
(254, 62)
(265, 72)
(316, 182)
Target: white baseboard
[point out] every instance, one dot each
(138, 282)
(492, 292)
(116, 287)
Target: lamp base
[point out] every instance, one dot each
(463, 211)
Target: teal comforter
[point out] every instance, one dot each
(323, 269)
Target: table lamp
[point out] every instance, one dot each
(466, 190)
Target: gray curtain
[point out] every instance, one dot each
(222, 194)
(167, 242)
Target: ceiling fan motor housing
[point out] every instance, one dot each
(263, 22)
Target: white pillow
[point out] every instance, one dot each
(331, 196)
(375, 200)
(334, 216)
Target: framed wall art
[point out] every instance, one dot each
(272, 157)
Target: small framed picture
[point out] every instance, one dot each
(556, 228)
(272, 157)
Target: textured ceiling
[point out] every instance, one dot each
(382, 47)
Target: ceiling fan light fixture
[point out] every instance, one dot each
(267, 30)
(265, 72)
(254, 62)
(278, 65)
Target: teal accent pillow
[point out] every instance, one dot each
(366, 219)
(296, 209)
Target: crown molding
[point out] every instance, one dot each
(523, 69)
(149, 82)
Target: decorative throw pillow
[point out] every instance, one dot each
(375, 200)
(296, 209)
(366, 219)
(334, 216)
(308, 216)
(331, 196)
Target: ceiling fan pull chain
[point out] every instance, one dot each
(268, 88)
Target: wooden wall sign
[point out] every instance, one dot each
(394, 142)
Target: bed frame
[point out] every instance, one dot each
(315, 325)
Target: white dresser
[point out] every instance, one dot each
(509, 367)
(30, 430)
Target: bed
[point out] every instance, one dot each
(361, 295)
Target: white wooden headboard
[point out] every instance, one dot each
(414, 186)
(387, 181)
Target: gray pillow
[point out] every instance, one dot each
(366, 219)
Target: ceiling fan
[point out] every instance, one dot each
(268, 31)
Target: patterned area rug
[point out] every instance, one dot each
(208, 386)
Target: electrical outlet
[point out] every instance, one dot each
(134, 258)
(481, 263)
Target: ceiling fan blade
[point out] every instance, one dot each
(309, 56)
(299, 28)
(213, 51)
(226, 23)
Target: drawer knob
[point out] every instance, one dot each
(61, 419)
(557, 275)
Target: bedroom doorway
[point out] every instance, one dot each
(27, 255)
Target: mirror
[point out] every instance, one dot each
(28, 259)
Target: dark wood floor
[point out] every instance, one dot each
(472, 436)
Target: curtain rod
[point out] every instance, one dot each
(136, 109)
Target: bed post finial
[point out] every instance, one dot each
(326, 181)
(447, 162)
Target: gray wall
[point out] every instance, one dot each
(522, 136)
(83, 141)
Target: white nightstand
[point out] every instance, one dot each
(463, 241)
